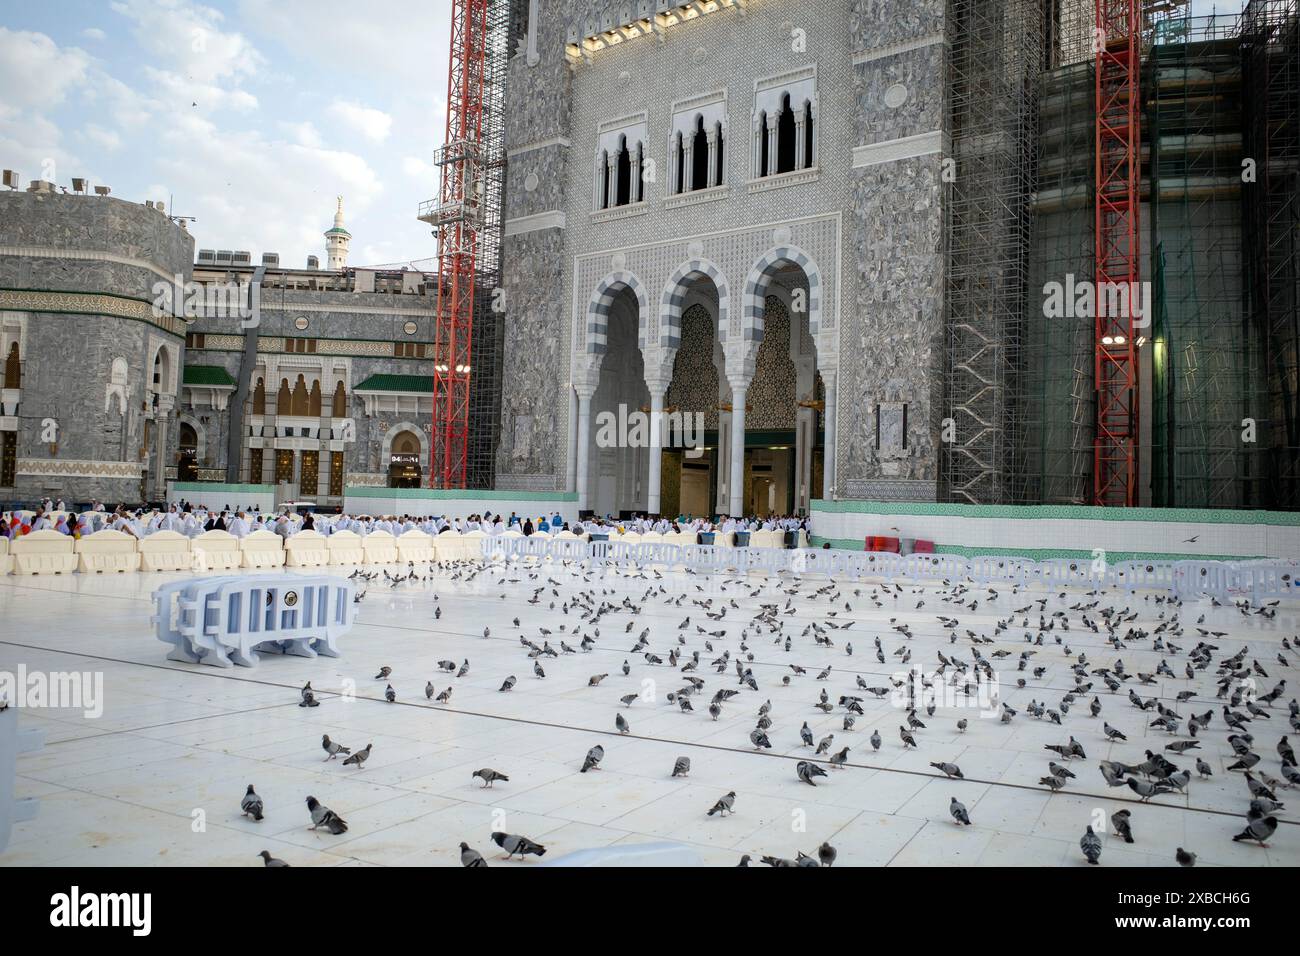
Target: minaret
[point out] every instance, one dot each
(336, 242)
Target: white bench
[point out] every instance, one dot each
(43, 552)
(380, 548)
(165, 551)
(215, 551)
(416, 546)
(306, 549)
(112, 551)
(345, 547)
(261, 550)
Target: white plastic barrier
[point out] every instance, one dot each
(261, 550)
(111, 551)
(416, 546)
(381, 548)
(1142, 575)
(12, 743)
(306, 549)
(1194, 578)
(43, 552)
(1062, 572)
(451, 546)
(164, 551)
(1268, 581)
(6, 560)
(345, 547)
(228, 619)
(216, 551)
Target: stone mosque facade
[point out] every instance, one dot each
(738, 213)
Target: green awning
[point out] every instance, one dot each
(397, 383)
(207, 375)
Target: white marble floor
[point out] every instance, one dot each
(157, 778)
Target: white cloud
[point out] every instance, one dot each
(35, 72)
(94, 33)
(103, 138)
(183, 93)
(304, 134)
(369, 122)
(418, 169)
(188, 37)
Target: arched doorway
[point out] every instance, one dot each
(619, 433)
(187, 463)
(404, 465)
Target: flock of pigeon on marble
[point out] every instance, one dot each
(1099, 689)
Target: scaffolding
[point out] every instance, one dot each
(994, 62)
(1205, 359)
(1271, 52)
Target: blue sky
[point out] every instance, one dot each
(250, 115)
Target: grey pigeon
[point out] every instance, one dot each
(323, 816)
(1258, 830)
(682, 767)
(1185, 857)
(1120, 820)
(826, 854)
(251, 804)
(332, 748)
(513, 843)
(470, 856)
(594, 756)
(621, 723)
(1090, 844)
(489, 776)
(949, 770)
(271, 861)
(958, 811)
(806, 770)
(360, 757)
(724, 805)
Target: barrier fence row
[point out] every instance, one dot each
(1260, 580)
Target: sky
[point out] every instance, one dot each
(249, 115)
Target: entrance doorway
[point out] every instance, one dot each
(404, 461)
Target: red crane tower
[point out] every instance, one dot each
(1118, 249)
(457, 215)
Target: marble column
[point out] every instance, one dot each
(773, 127)
(736, 483)
(829, 489)
(688, 165)
(711, 174)
(165, 405)
(570, 480)
(657, 391)
(637, 186)
(611, 182)
(799, 141)
(584, 440)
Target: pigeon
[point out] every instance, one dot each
(724, 805)
(322, 816)
(513, 843)
(907, 738)
(471, 857)
(489, 776)
(507, 684)
(759, 740)
(308, 700)
(332, 748)
(270, 861)
(949, 770)
(682, 767)
(826, 854)
(806, 770)
(1120, 820)
(594, 756)
(360, 757)
(383, 673)
(875, 740)
(621, 723)
(1185, 857)
(1090, 844)
(958, 811)
(251, 805)
(1258, 830)
(390, 695)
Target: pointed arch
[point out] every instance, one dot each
(674, 295)
(607, 289)
(760, 277)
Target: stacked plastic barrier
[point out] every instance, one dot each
(229, 619)
(1259, 580)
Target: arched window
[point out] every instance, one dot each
(188, 447)
(339, 408)
(313, 400)
(679, 162)
(622, 174)
(13, 368)
(700, 156)
(785, 138)
(284, 399)
(806, 146)
(298, 406)
(716, 173)
(602, 180)
(259, 398)
(764, 146)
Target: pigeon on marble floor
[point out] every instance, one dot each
(806, 735)
(958, 811)
(307, 692)
(358, 758)
(444, 697)
(875, 740)
(428, 690)
(270, 861)
(949, 770)
(508, 683)
(839, 759)
(724, 805)
(251, 805)
(470, 856)
(594, 756)
(489, 776)
(1120, 820)
(682, 767)
(323, 816)
(390, 695)
(308, 700)
(759, 740)
(383, 673)
(1185, 857)
(826, 854)
(513, 843)
(332, 748)
(1090, 844)
(621, 723)
(805, 770)
(906, 737)
(1258, 830)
